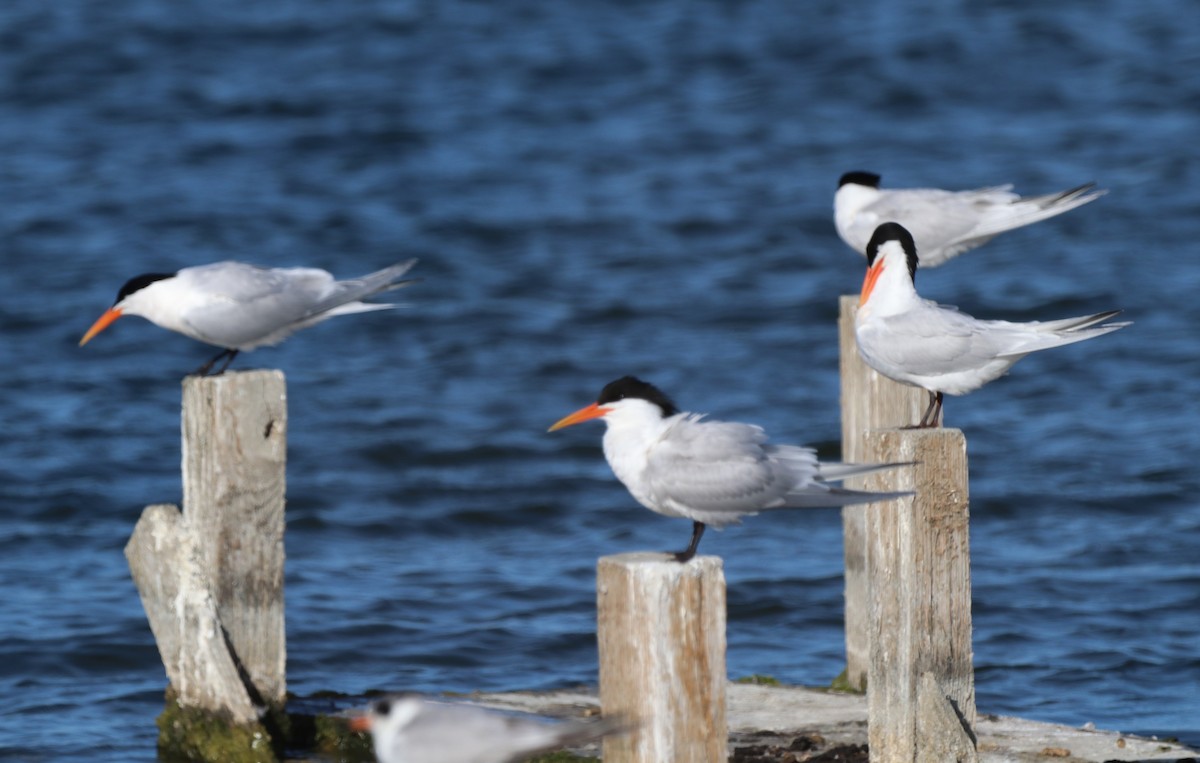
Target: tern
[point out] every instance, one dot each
(944, 223)
(923, 344)
(408, 729)
(239, 307)
(711, 472)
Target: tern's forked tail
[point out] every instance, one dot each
(360, 288)
(836, 472)
(832, 497)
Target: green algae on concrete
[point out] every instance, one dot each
(842, 683)
(192, 734)
(759, 680)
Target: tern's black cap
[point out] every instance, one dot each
(858, 177)
(894, 232)
(631, 386)
(137, 283)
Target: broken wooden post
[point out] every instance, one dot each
(661, 633)
(869, 401)
(211, 578)
(921, 683)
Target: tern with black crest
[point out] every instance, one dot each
(239, 307)
(943, 223)
(711, 472)
(918, 342)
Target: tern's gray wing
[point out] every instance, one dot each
(933, 340)
(457, 733)
(716, 468)
(360, 288)
(1027, 210)
(1042, 335)
(243, 306)
(716, 471)
(937, 218)
(241, 282)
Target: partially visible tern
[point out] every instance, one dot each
(711, 472)
(921, 343)
(408, 729)
(239, 307)
(944, 223)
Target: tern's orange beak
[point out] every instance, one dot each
(110, 315)
(869, 281)
(593, 411)
(359, 723)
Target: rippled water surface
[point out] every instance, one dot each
(593, 189)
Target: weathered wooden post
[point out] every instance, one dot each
(211, 577)
(661, 633)
(869, 401)
(921, 682)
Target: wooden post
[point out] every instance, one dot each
(661, 633)
(234, 467)
(211, 578)
(869, 401)
(920, 685)
(183, 616)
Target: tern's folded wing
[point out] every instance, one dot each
(459, 733)
(715, 466)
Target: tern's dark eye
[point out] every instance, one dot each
(383, 707)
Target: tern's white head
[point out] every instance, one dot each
(855, 191)
(386, 718)
(139, 296)
(891, 271)
(626, 402)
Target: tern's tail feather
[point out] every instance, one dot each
(580, 732)
(360, 288)
(812, 498)
(1068, 199)
(1079, 322)
(1049, 334)
(1032, 209)
(836, 472)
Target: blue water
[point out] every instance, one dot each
(593, 189)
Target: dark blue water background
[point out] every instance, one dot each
(593, 189)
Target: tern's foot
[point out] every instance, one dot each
(227, 355)
(690, 551)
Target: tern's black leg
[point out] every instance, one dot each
(929, 419)
(937, 415)
(690, 551)
(229, 355)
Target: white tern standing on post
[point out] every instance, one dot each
(711, 472)
(408, 729)
(921, 343)
(943, 223)
(239, 307)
